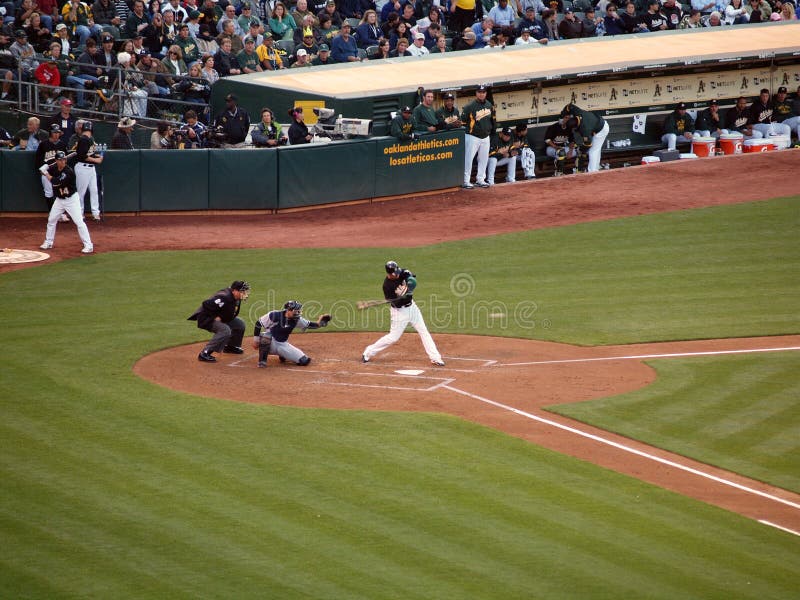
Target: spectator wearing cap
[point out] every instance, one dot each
(343, 47)
(298, 130)
(402, 125)
(225, 61)
(228, 33)
(709, 121)
(46, 153)
(307, 33)
(123, 139)
(234, 122)
(137, 20)
(763, 117)
(281, 23)
(156, 75)
(525, 38)
(323, 56)
(268, 133)
(246, 18)
(368, 31)
(590, 23)
(62, 37)
(300, 59)
(502, 152)
(25, 54)
(269, 57)
(48, 76)
(503, 14)
(447, 115)
(530, 22)
(300, 11)
(467, 41)
(247, 58)
(337, 16)
(678, 127)
(105, 14)
(424, 115)
(254, 32)
(188, 45)
(570, 27)
(106, 57)
(479, 118)
(418, 47)
(181, 14)
(78, 16)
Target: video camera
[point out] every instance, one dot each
(339, 128)
(216, 137)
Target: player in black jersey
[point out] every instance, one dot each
(62, 178)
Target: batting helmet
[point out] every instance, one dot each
(391, 267)
(88, 125)
(293, 305)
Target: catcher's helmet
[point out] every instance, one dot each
(243, 287)
(293, 305)
(391, 267)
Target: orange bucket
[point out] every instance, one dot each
(759, 145)
(703, 146)
(731, 143)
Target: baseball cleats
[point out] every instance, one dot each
(281, 358)
(96, 217)
(364, 358)
(64, 218)
(233, 350)
(468, 186)
(206, 357)
(437, 363)
(87, 249)
(46, 246)
(482, 184)
(262, 364)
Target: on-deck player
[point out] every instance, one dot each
(398, 287)
(85, 172)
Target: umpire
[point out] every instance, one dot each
(218, 314)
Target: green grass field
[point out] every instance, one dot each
(115, 488)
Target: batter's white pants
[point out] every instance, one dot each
(72, 207)
(511, 165)
(766, 129)
(472, 146)
(598, 140)
(401, 318)
(86, 178)
(793, 123)
(527, 159)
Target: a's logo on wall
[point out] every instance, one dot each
(613, 97)
(657, 93)
(701, 87)
(744, 85)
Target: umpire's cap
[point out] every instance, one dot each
(240, 285)
(392, 267)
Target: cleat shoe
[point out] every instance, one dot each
(46, 245)
(87, 249)
(64, 218)
(206, 357)
(364, 358)
(282, 359)
(96, 217)
(233, 350)
(437, 363)
(482, 184)
(262, 364)
(468, 186)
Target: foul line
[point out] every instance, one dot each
(786, 529)
(643, 356)
(624, 448)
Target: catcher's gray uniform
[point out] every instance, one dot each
(271, 333)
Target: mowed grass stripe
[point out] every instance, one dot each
(730, 411)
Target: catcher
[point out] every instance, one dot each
(272, 331)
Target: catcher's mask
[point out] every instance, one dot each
(243, 287)
(391, 267)
(295, 306)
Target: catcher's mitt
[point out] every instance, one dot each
(324, 320)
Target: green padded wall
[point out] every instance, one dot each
(21, 189)
(325, 173)
(243, 179)
(121, 190)
(174, 180)
(432, 162)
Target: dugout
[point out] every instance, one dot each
(620, 75)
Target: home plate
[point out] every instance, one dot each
(410, 372)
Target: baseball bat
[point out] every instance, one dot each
(52, 161)
(362, 304)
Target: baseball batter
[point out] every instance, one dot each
(219, 315)
(398, 289)
(272, 331)
(85, 172)
(479, 118)
(62, 180)
(589, 130)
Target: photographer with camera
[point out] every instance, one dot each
(233, 123)
(162, 137)
(192, 134)
(267, 133)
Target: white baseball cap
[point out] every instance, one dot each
(302, 52)
(419, 36)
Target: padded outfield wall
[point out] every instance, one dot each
(630, 74)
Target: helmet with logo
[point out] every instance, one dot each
(392, 268)
(294, 306)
